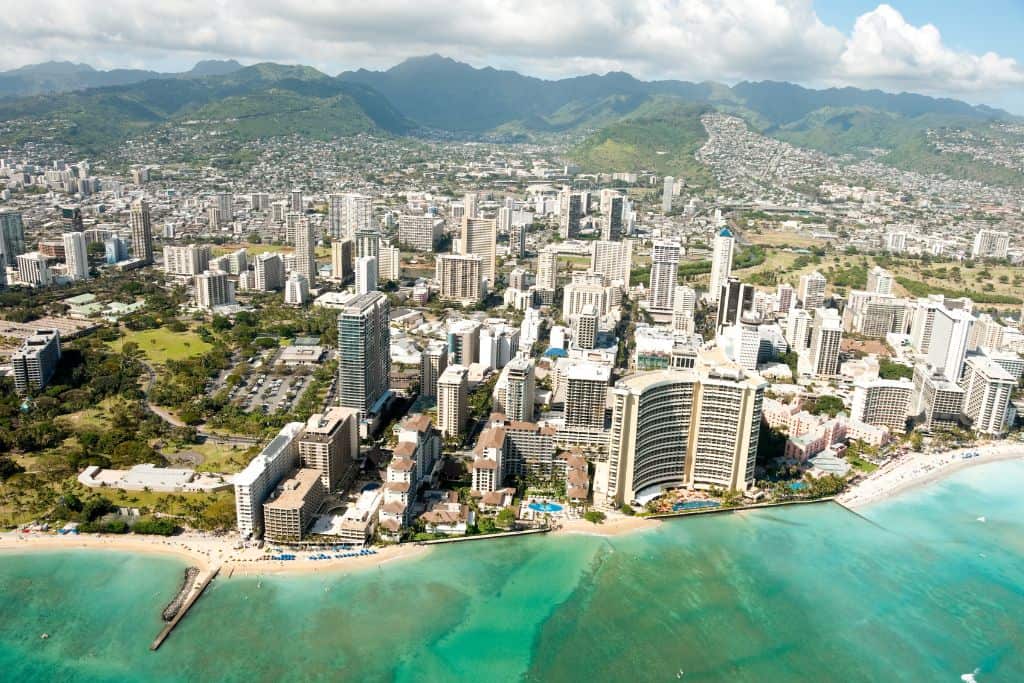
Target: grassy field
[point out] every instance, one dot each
(784, 238)
(161, 345)
(216, 457)
(253, 249)
(90, 418)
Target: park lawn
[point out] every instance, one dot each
(253, 249)
(161, 345)
(94, 419)
(577, 262)
(217, 457)
(782, 238)
(171, 503)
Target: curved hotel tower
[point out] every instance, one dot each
(696, 428)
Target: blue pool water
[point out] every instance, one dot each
(545, 507)
(695, 505)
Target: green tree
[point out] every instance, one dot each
(594, 516)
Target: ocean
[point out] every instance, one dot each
(919, 589)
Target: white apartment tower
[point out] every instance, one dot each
(366, 274)
(812, 291)
(664, 275)
(213, 289)
(480, 237)
(76, 256)
(826, 340)
(721, 263)
(453, 400)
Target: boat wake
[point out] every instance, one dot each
(971, 677)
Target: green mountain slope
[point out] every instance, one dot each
(661, 136)
(261, 100)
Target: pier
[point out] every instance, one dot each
(197, 590)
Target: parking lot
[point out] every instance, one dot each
(271, 388)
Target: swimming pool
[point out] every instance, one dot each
(695, 505)
(545, 507)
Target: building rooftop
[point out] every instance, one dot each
(291, 493)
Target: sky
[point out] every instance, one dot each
(966, 50)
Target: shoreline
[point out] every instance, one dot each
(203, 551)
(920, 469)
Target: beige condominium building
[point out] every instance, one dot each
(330, 445)
(291, 508)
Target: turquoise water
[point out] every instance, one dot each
(545, 507)
(920, 591)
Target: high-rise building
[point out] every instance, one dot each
(296, 290)
(586, 327)
(684, 309)
(721, 263)
(880, 281)
(570, 211)
(464, 342)
(140, 222)
(295, 202)
(666, 194)
(826, 340)
(330, 445)
(547, 269)
(12, 237)
(520, 387)
(420, 233)
(986, 333)
(611, 222)
(735, 299)
(259, 201)
(664, 275)
(213, 289)
(453, 400)
(305, 251)
(812, 291)
(950, 334)
(368, 242)
(990, 244)
(35, 361)
(268, 272)
(614, 260)
(937, 401)
(187, 260)
(896, 242)
(254, 484)
(33, 270)
(798, 329)
(784, 293)
(987, 392)
(364, 352)
(76, 256)
(697, 428)
(343, 259)
(290, 509)
(433, 361)
(366, 274)
(480, 237)
(469, 205)
(586, 394)
(499, 343)
(882, 403)
(389, 263)
(115, 250)
(347, 214)
(225, 206)
(459, 277)
(584, 289)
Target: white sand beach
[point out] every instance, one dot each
(918, 469)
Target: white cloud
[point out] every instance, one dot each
(724, 40)
(885, 50)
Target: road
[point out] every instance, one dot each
(172, 420)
